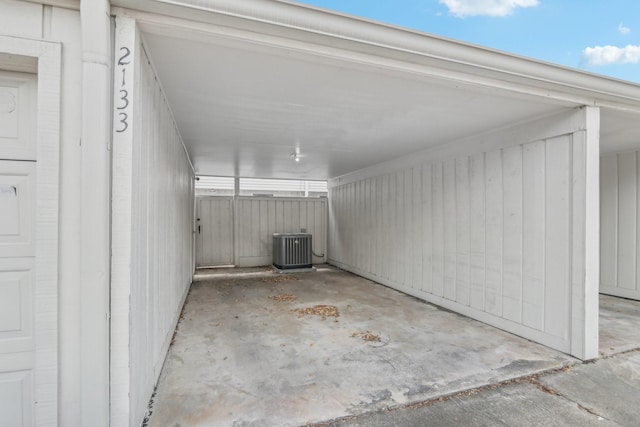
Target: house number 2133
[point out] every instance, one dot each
(123, 102)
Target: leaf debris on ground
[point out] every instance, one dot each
(283, 298)
(279, 278)
(367, 336)
(318, 310)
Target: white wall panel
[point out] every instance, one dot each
(153, 216)
(495, 241)
(533, 248)
(417, 231)
(162, 260)
(477, 225)
(608, 222)
(558, 237)
(619, 231)
(258, 218)
(513, 234)
(627, 220)
(462, 230)
(450, 225)
(437, 268)
(426, 284)
(493, 233)
(20, 18)
(558, 226)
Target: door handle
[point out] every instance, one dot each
(198, 229)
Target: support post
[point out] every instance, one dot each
(586, 241)
(95, 212)
(125, 78)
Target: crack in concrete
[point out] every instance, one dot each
(531, 379)
(543, 388)
(455, 395)
(546, 389)
(386, 360)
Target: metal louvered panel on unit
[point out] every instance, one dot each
(292, 250)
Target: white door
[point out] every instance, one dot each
(214, 232)
(17, 248)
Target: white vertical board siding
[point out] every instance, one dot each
(534, 208)
(214, 232)
(162, 260)
(477, 227)
(153, 212)
(493, 236)
(619, 231)
(258, 218)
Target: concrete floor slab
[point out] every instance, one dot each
(523, 404)
(608, 387)
(619, 325)
(603, 393)
(242, 357)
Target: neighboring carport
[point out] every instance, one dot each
(463, 176)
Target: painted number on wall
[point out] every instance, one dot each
(123, 103)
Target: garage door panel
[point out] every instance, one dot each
(17, 107)
(17, 195)
(16, 394)
(16, 304)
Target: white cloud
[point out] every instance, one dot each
(462, 8)
(608, 55)
(623, 30)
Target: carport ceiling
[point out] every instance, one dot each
(242, 108)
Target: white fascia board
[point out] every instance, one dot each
(304, 23)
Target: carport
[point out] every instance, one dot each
(462, 176)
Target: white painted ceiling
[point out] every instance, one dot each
(243, 108)
(619, 131)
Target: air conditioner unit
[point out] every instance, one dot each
(292, 250)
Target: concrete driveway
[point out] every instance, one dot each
(258, 349)
(604, 393)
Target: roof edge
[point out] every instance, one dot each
(288, 15)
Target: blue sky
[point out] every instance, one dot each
(599, 36)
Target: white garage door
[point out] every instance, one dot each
(17, 248)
